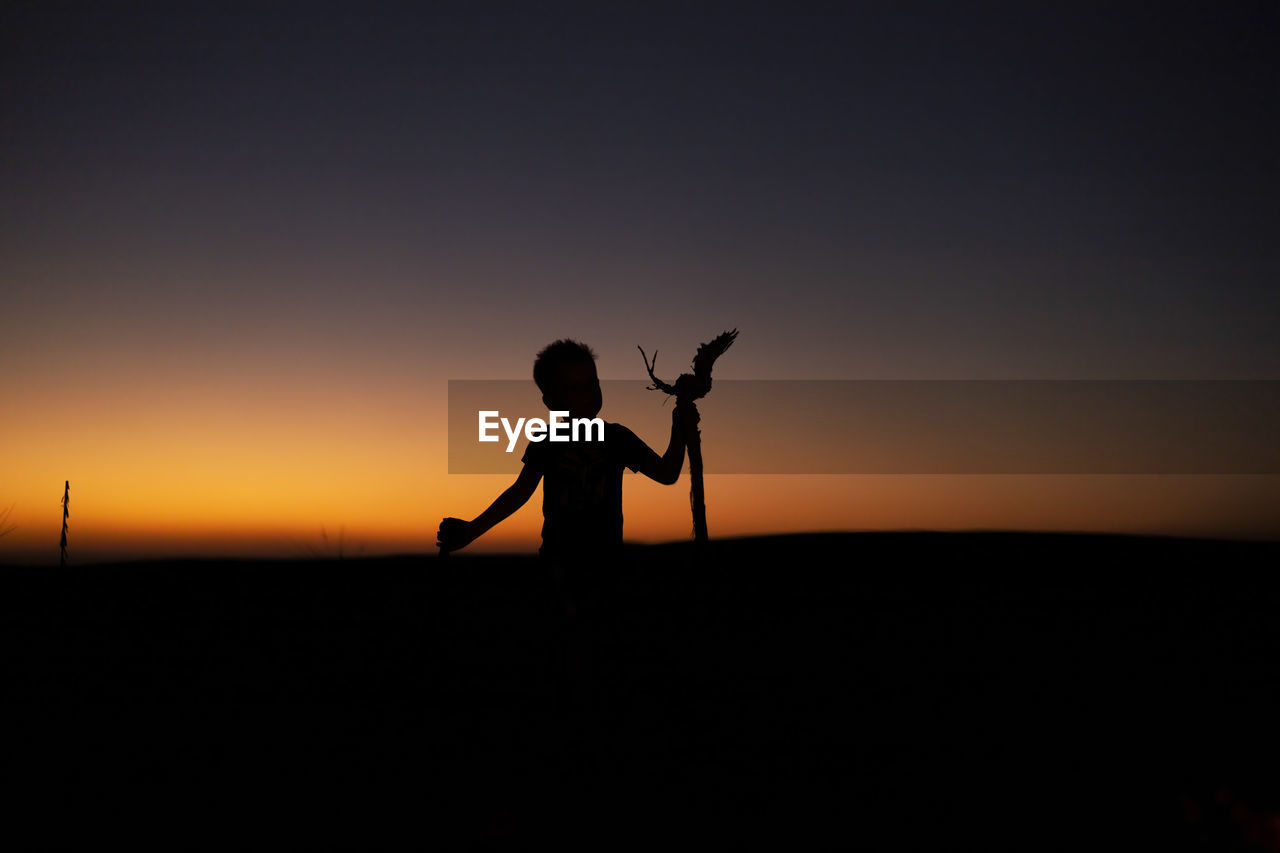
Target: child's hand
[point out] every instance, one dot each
(454, 533)
(686, 417)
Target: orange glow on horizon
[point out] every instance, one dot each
(398, 523)
(228, 466)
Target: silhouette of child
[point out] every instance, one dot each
(582, 488)
(581, 533)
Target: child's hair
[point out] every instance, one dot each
(554, 356)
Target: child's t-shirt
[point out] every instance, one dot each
(582, 488)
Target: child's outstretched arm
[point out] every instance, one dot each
(455, 533)
(665, 469)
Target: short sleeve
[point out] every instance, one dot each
(628, 448)
(533, 456)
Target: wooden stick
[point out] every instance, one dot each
(697, 499)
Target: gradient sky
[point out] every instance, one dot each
(243, 247)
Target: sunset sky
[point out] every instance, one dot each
(244, 247)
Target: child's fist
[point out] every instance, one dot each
(454, 533)
(685, 416)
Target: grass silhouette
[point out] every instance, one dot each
(5, 527)
(329, 549)
(66, 513)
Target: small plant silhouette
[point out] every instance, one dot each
(329, 547)
(342, 535)
(5, 527)
(66, 513)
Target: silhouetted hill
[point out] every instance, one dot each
(885, 690)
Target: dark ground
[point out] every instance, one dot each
(879, 691)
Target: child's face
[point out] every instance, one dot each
(577, 391)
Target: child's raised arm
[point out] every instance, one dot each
(665, 469)
(455, 533)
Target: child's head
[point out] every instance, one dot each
(565, 372)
